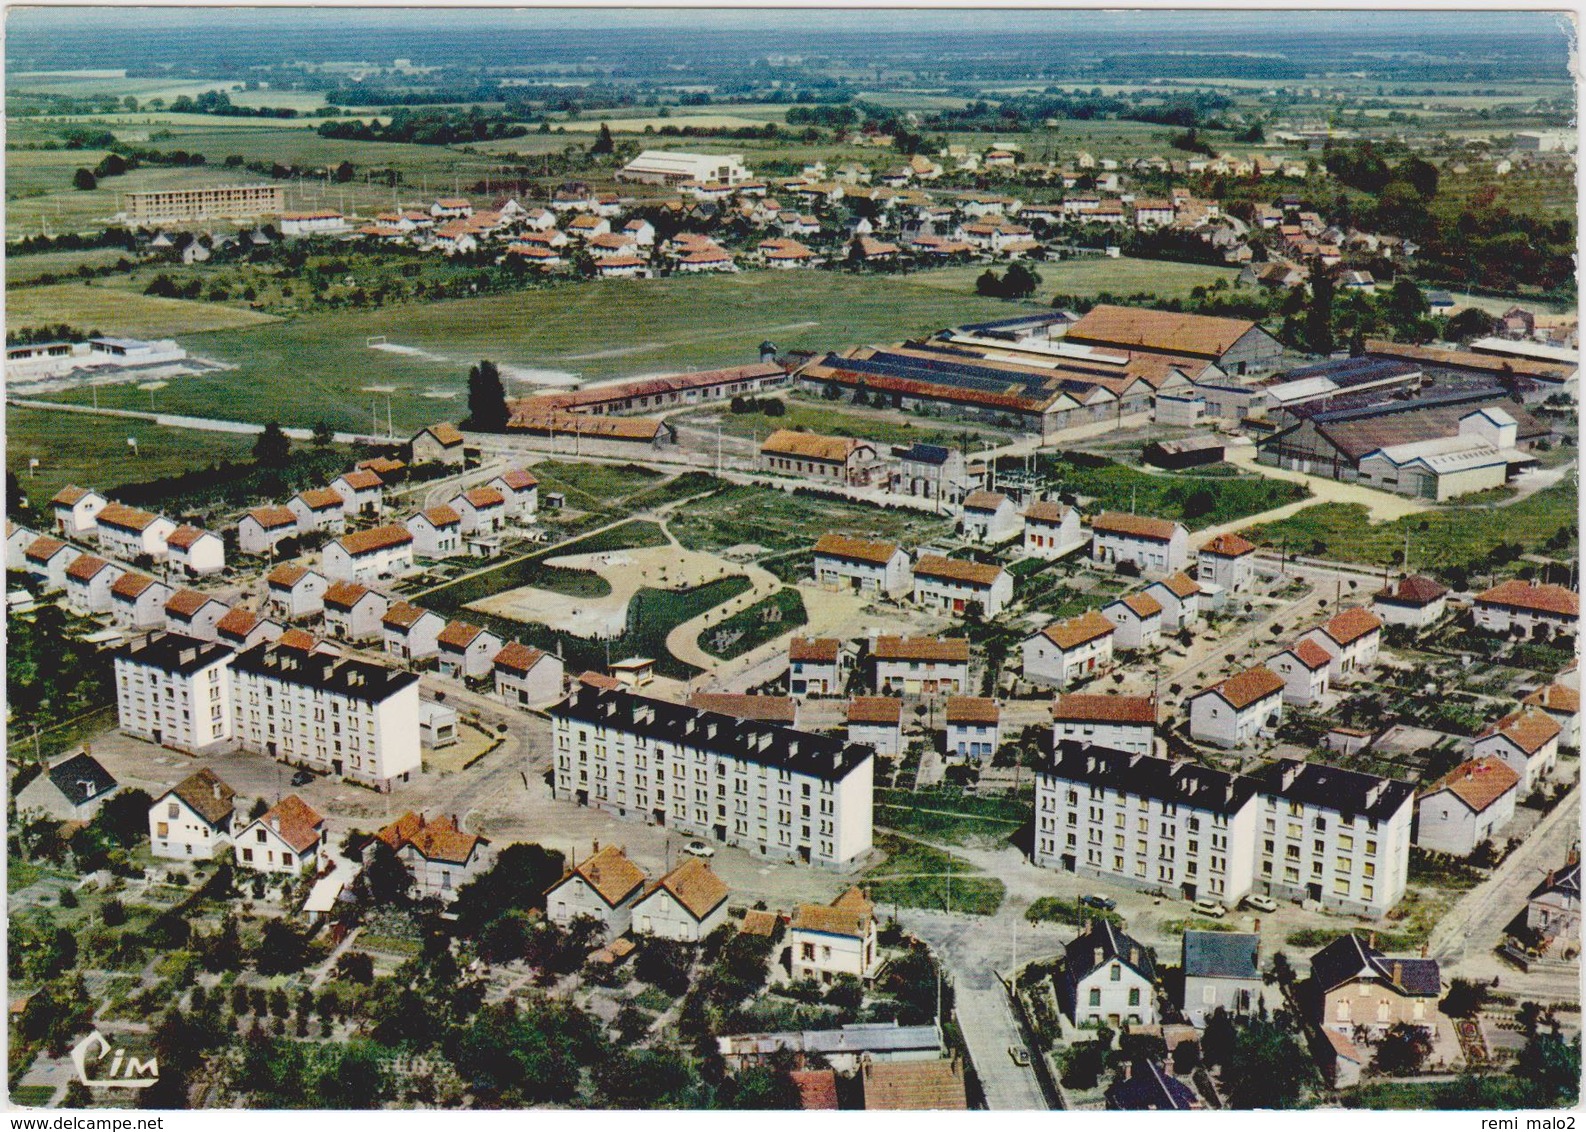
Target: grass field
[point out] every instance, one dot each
(113, 311)
(820, 416)
(765, 620)
(777, 520)
(304, 369)
(1449, 536)
(93, 452)
(916, 875)
(1090, 277)
(1197, 502)
(950, 815)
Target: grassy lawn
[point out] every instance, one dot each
(915, 875)
(93, 452)
(819, 416)
(950, 815)
(594, 487)
(780, 520)
(32, 1096)
(1195, 502)
(1447, 536)
(112, 310)
(531, 570)
(750, 628)
(1058, 910)
(1091, 276)
(665, 326)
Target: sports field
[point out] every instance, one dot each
(306, 369)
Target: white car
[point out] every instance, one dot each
(1261, 903)
(699, 849)
(1210, 908)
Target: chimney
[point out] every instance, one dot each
(216, 789)
(1371, 941)
(1398, 972)
(1291, 771)
(597, 849)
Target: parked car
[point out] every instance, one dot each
(1210, 908)
(699, 849)
(1261, 903)
(1020, 1055)
(1096, 900)
(302, 778)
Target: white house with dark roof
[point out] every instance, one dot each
(1239, 710)
(1179, 596)
(1052, 530)
(686, 904)
(1416, 602)
(1139, 621)
(1227, 561)
(1156, 546)
(604, 886)
(193, 819)
(1109, 979)
(989, 516)
(1069, 650)
(410, 632)
(194, 553)
(72, 789)
(295, 592)
(1553, 908)
(437, 532)
(353, 612)
(1222, 971)
(1304, 669)
(1353, 986)
(527, 676)
(76, 509)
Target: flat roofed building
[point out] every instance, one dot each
(219, 202)
(640, 759)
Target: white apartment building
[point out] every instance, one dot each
(193, 819)
(1337, 837)
(367, 557)
(1119, 723)
(353, 719)
(768, 789)
(175, 691)
(1156, 546)
(843, 563)
(1147, 822)
(921, 666)
(954, 585)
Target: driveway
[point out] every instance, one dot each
(1381, 506)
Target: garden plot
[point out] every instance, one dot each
(626, 571)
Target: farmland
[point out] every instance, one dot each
(115, 311)
(666, 325)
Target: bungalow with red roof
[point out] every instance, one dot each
(137, 601)
(1139, 621)
(264, 528)
(815, 666)
(1527, 740)
(88, 582)
(1352, 639)
(1521, 605)
(877, 722)
(483, 510)
(294, 592)
(287, 838)
(1119, 723)
(465, 652)
(527, 676)
(194, 614)
(368, 556)
(1304, 667)
(1239, 710)
(1227, 561)
(131, 532)
(194, 553)
(521, 493)
(242, 629)
(1156, 546)
(76, 510)
(1467, 806)
(360, 491)
(1052, 530)
(1415, 602)
(1065, 651)
(319, 509)
(437, 532)
(410, 632)
(353, 612)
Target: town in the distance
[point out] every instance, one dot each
(806, 582)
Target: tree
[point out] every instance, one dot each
(487, 399)
(1019, 282)
(1266, 1067)
(1464, 999)
(516, 882)
(124, 818)
(385, 880)
(1403, 1050)
(282, 950)
(665, 964)
(603, 143)
(85, 180)
(1468, 324)
(272, 449)
(1217, 1043)
(324, 435)
(1319, 314)
(1551, 1065)
(16, 498)
(989, 284)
